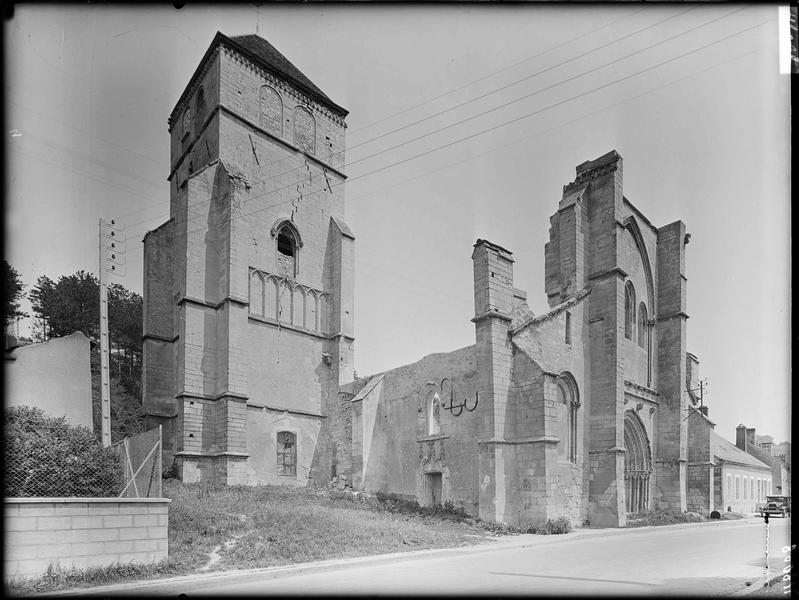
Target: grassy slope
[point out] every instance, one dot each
(270, 526)
(249, 527)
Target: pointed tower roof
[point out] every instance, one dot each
(266, 56)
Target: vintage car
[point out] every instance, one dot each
(775, 505)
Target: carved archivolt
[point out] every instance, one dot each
(281, 299)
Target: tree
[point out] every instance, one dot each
(12, 293)
(73, 304)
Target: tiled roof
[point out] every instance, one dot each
(727, 451)
(258, 49)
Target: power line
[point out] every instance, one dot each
(617, 40)
(525, 116)
(470, 83)
(383, 273)
(527, 78)
(515, 120)
(535, 93)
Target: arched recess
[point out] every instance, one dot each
(310, 311)
(270, 297)
(271, 110)
(298, 307)
(637, 464)
(304, 130)
(257, 294)
(568, 413)
(284, 302)
(629, 310)
(643, 327)
(631, 224)
(434, 414)
(199, 112)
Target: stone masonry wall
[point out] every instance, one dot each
(82, 532)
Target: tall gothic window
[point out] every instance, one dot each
(287, 453)
(643, 328)
(629, 310)
(568, 406)
(304, 130)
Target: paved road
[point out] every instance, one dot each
(707, 559)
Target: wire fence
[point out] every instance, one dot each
(53, 462)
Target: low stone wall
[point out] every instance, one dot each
(82, 532)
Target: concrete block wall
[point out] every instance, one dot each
(82, 532)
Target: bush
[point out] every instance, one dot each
(46, 456)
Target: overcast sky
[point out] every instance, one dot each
(691, 97)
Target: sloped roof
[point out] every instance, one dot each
(267, 56)
(729, 452)
(264, 53)
(368, 387)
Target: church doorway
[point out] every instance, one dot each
(433, 488)
(637, 464)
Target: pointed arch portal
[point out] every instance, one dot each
(637, 464)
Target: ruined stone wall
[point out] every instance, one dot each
(392, 439)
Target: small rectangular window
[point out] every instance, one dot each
(568, 327)
(286, 453)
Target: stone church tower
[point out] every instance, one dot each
(248, 287)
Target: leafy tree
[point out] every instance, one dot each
(46, 456)
(73, 304)
(12, 293)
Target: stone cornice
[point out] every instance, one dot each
(672, 315)
(159, 338)
(606, 272)
(288, 326)
(197, 396)
(544, 439)
(205, 303)
(492, 314)
(281, 409)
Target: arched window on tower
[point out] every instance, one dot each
(568, 412)
(643, 326)
(304, 130)
(629, 310)
(271, 113)
(199, 113)
(287, 248)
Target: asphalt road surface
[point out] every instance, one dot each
(708, 559)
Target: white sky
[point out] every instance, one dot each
(704, 139)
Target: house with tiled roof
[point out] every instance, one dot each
(741, 480)
(745, 440)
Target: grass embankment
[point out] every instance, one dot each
(658, 517)
(223, 528)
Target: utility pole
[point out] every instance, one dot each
(105, 385)
(111, 251)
